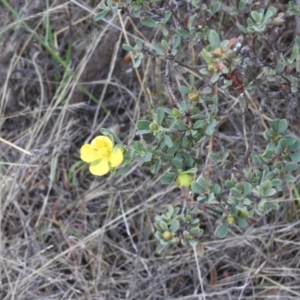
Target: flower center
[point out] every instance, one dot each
(103, 152)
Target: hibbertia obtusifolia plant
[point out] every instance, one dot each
(247, 74)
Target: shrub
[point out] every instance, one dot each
(257, 67)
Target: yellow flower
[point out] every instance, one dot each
(102, 155)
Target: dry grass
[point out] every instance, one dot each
(68, 235)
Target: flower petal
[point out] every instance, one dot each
(116, 157)
(101, 168)
(101, 141)
(88, 154)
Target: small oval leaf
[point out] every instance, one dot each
(222, 230)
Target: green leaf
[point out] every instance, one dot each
(139, 43)
(168, 178)
(222, 230)
(157, 49)
(270, 13)
(215, 157)
(270, 192)
(199, 124)
(184, 89)
(235, 192)
(265, 186)
(170, 211)
(158, 233)
(278, 150)
(280, 67)
(288, 178)
(174, 225)
(193, 243)
(141, 132)
(192, 80)
(261, 203)
(207, 56)
(214, 39)
(204, 71)
(167, 17)
(202, 182)
(242, 28)
(265, 189)
(168, 141)
(146, 21)
(279, 125)
(176, 42)
(216, 189)
(184, 33)
(256, 16)
(215, 77)
(273, 205)
(177, 163)
(247, 201)
(165, 44)
(195, 231)
(277, 183)
(210, 197)
(196, 188)
(101, 15)
(185, 141)
(229, 184)
(183, 105)
(143, 124)
(137, 62)
(242, 222)
(148, 157)
(163, 226)
(160, 115)
(250, 24)
(128, 48)
(295, 157)
(160, 248)
(195, 221)
(122, 171)
(242, 6)
(165, 31)
(102, 6)
(282, 126)
(295, 146)
(196, 4)
(202, 198)
(247, 188)
(215, 8)
(286, 140)
(270, 175)
(211, 127)
(155, 167)
(290, 167)
(137, 147)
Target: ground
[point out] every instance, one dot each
(66, 234)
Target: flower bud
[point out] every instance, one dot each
(167, 235)
(230, 219)
(184, 180)
(217, 53)
(153, 126)
(175, 112)
(211, 67)
(243, 213)
(193, 96)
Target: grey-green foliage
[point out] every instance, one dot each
(175, 132)
(174, 227)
